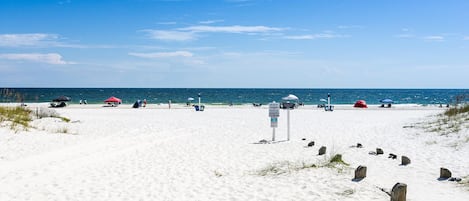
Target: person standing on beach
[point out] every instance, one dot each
(144, 102)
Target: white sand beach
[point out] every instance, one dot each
(155, 153)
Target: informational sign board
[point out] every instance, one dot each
(274, 110)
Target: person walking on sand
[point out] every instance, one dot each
(144, 102)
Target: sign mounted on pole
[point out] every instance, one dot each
(274, 113)
(274, 110)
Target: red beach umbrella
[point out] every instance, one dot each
(360, 104)
(113, 99)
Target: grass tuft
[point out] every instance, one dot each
(284, 167)
(18, 116)
(451, 112)
(453, 120)
(338, 160)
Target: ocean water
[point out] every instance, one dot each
(225, 96)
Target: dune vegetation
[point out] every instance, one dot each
(454, 120)
(16, 116)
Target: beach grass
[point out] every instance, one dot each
(453, 120)
(337, 159)
(18, 116)
(47, 112)
(452, 112)
(283, 167)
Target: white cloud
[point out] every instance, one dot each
(167, 23)
(33, 39)
(232, 29)
(51, 58)
(210, 21)
(404, 36)
(40, 40)
(349, 27)
(190, 33)
(314, 36)
(162, 54)
(434, 38)
(466, 38)
(171, 35)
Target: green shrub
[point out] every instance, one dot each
(337, 159)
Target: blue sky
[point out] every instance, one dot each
(235, 43)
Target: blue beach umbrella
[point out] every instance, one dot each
(386, 101)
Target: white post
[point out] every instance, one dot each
(199, 101)
(273, 134)
(288, 126)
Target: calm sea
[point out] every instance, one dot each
(235, 96)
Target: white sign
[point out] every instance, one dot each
(274, 110)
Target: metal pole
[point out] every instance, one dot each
(288, 126)
(273, 134)
(199, 101)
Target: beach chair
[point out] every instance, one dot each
(197, 108)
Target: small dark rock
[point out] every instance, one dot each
(392, 156)
(359, 145)
(322, 150)
(379, 151)
(303, 139)
(310, 144)
(372, 153)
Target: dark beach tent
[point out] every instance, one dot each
(360, 104)
(136, 104)
(62, 99)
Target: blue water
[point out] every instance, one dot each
(235, 96)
